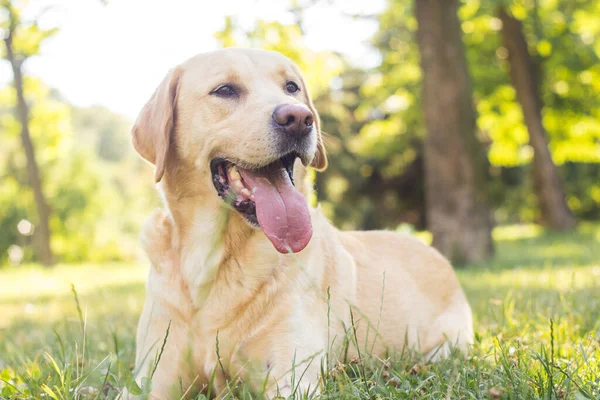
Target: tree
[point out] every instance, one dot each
(98, 203)
(456, 167)
(524, 72)
(20, 42)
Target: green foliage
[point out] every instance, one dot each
(376, 176)
(102, 132)
(536, 307)
(98, 189)
(27, 36)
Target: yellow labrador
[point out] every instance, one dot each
(250, 281)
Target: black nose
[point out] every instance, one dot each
(294, 119)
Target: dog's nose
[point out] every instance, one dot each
(295, 119)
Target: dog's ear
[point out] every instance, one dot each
(152, 130)
(320, 161)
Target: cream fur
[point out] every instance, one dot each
(213, 276)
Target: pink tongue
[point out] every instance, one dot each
(281, 210)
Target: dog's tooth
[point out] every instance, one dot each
(234, 174)
(246, 193)
(238, 185)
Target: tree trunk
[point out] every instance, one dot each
(22, 110)
(555, 212)
(456, 165)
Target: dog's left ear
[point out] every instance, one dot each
(320, 161)
(153, 128)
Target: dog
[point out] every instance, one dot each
(247, 280)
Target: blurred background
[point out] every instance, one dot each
(488, 115)
(472, 124)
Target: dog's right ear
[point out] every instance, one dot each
(152, 130)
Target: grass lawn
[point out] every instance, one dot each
(536, 307)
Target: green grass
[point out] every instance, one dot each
(536, 307)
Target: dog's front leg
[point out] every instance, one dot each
(216, 376)
(278, 362)
(298, 380)
(276, 376)
(163, 355)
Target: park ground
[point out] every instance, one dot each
(69, 332)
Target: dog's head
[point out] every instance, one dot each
(237, 120)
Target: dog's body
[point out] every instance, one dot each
(234, 302)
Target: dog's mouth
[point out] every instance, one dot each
(267, 198)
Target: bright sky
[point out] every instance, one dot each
(115, 55)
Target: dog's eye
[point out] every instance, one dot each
(292, 87)
(225, 91)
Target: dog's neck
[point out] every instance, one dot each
(207, 232)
